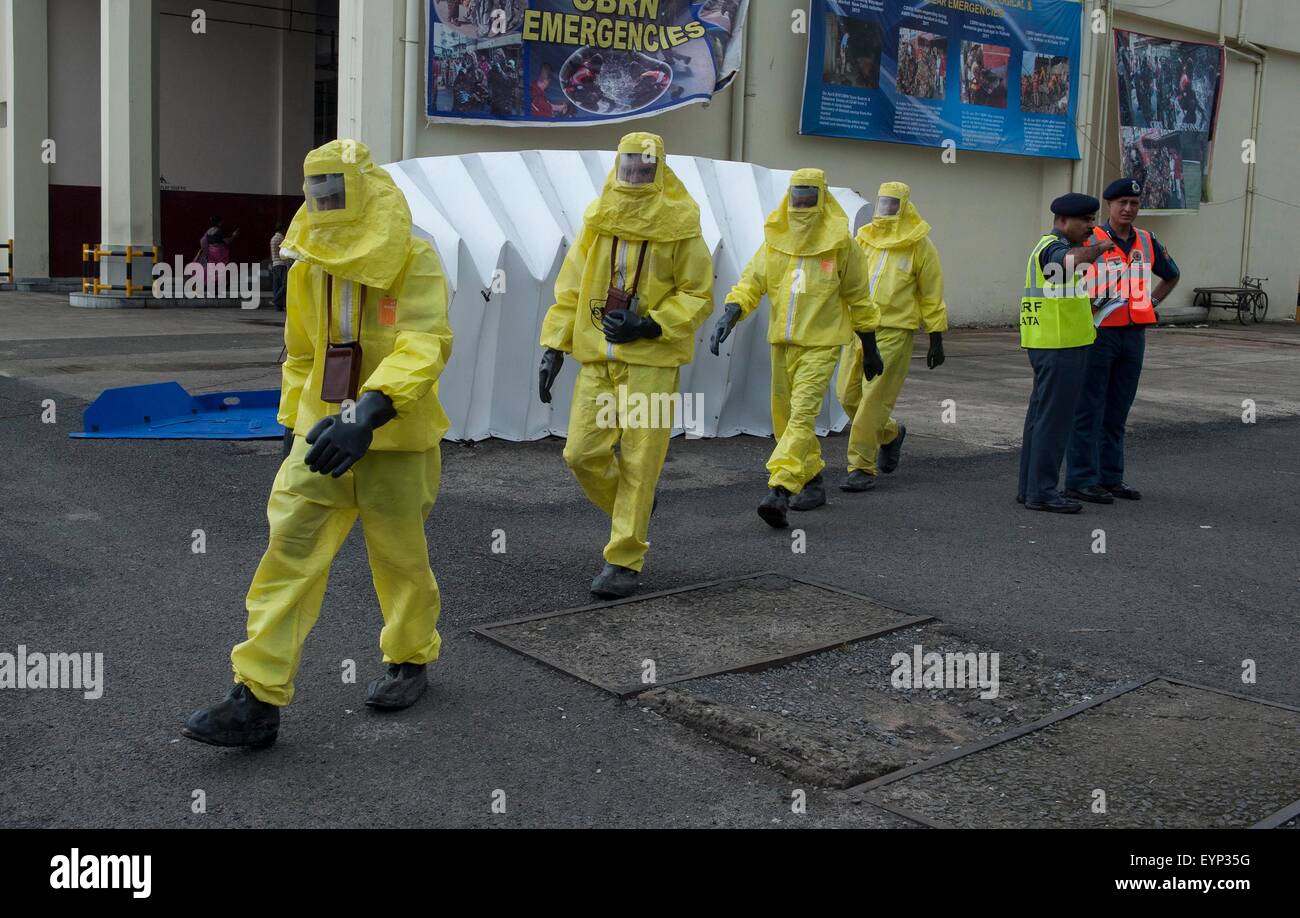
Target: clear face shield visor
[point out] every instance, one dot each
(326, 192)
(887, 206)
(637, 169)
(804, 197)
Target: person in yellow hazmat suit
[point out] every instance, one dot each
(815, 279)
(366, 336)
(633, 290)
(907, 287)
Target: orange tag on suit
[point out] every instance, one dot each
(388, 311)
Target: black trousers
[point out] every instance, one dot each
(1058, 380)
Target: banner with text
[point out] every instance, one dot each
(999, 76)
(576, 62)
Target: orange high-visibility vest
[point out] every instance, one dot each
(1131, 303)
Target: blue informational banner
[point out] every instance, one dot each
(574, 62)
(1001, 76)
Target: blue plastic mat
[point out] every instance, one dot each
(165, 411)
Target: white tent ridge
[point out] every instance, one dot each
(502, 223)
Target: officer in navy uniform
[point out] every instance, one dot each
(1056, 331)
(1094, 463)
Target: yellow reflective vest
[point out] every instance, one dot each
(1053, 315)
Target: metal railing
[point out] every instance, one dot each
(91, 255)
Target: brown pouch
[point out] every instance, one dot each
(617, 298)
(342, 372)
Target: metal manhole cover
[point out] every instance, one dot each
(1161, 754)
(750, 622)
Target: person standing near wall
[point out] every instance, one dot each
(1094, 465)
(907, 287)
(279, 269)
(1056, 331)
(814, 276)
(632, 291)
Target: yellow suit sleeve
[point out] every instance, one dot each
(299, 350)
(557, 327)
(929, 287)
(423, 341)
(855, 290)
(684, 310)
(752, 286)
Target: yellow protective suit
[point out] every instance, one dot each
(389, 292)
(815, 279)
(907, 287)
(676, 291)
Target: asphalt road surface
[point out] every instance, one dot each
(97, 542)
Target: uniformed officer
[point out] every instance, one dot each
(1123, 306)
(1056, 330)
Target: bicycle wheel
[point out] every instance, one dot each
(1243, 307)
(1259, 308)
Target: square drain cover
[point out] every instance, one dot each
(1161, 754)
(632, 645)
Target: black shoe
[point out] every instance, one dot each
(888, 459)
(858, 480)
(616, 582)
(1020, 498)
(774, 506)
(1123, 491)
(1093, 494)
(1055, 505)
(399, 687)
(239, 720)
(812, 496)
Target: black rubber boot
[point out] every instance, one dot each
(399, 687)
(812, 496)
(889, 453)
(616, 582)
(858, 480)
(239, 720)
(774, 507)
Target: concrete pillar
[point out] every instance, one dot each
(295, 101)
(371, 75)
(128, 86)
(25, 154)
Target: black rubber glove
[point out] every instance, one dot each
(730, 316)
(552, 361)
(338, 445)
(623, 326)
(288, 443)
(934, 357)
(872, 363)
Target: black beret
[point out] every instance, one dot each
(1075, 205)
(1123, 188)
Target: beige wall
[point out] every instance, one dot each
(987, 209)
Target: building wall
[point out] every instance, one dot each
(988, 209)
(236, 113)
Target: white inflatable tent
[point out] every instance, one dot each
(502, 223)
